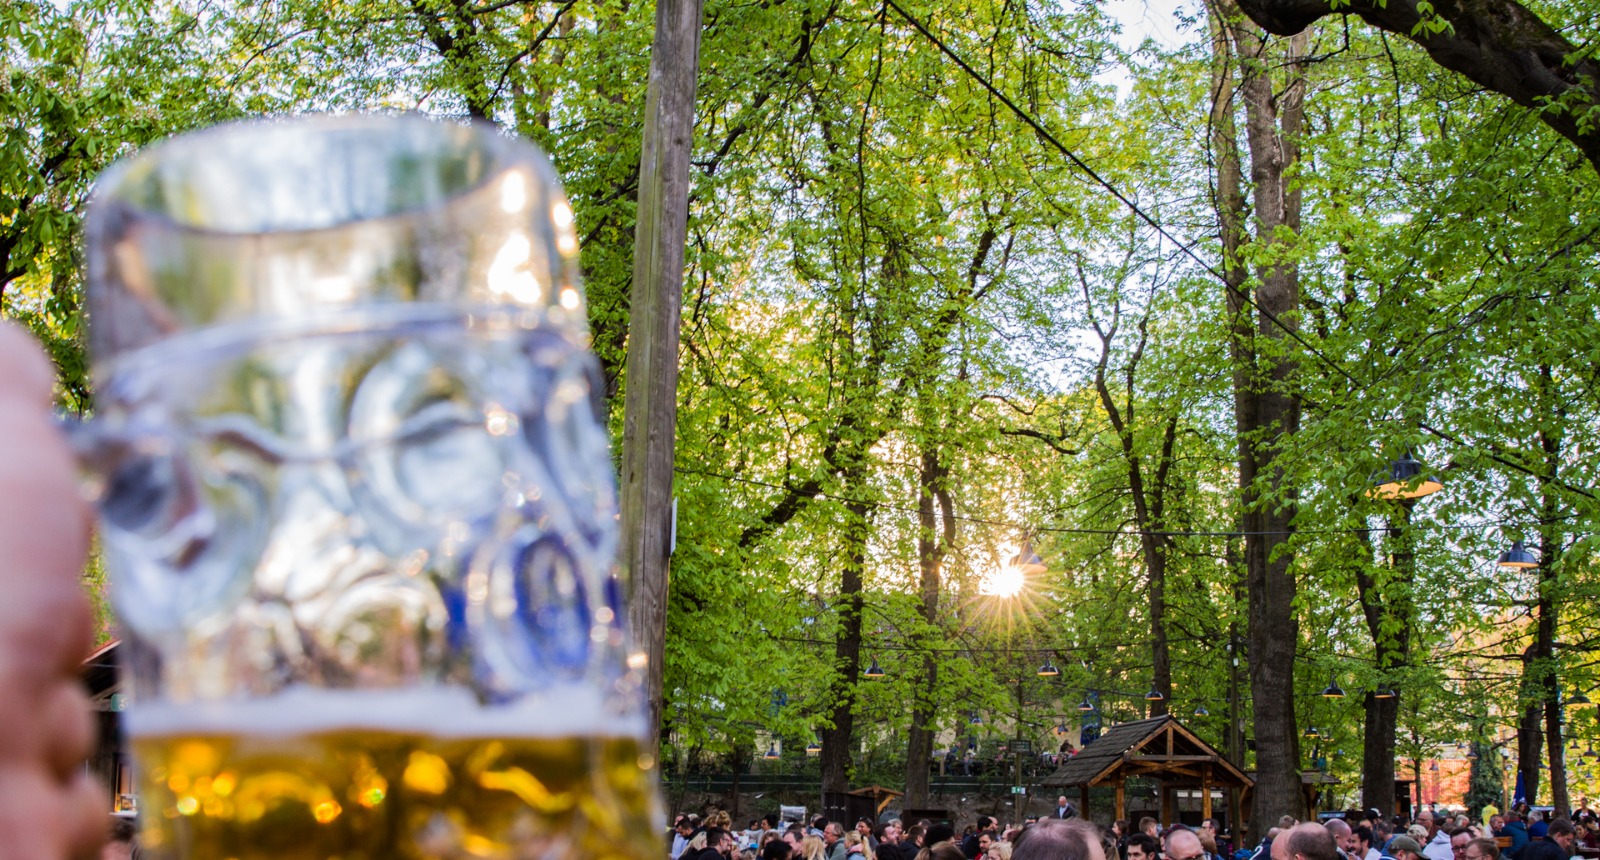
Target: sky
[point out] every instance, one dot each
(1141, 19)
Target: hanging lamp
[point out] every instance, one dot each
(1401, 481)
(873, 671)
(1154, 695)
(1333, 690)
(1048, 670)
(1028, 562)
(1518, 556)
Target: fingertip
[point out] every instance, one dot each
(28, 371)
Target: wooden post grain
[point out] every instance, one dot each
(650, 406)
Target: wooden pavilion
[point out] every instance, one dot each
(1160, 749)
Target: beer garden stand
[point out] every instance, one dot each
(1159, 748)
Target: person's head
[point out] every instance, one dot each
(864, 826)
(855, 843)
(818, 822)
(1183, 844)
(685, 826)
(1305, 842)
(890, 832)
(937, 833)
(120, 844)
(1141, 846)
(719, 818)
(1120, 827)
(794, 834)
(1419, 832)
(715, 837)
(1150, 827)
(1059, 839)
(1562, 833)
(1405, 848)
(1342, 835)
(769, 821)
(985, 822)
(776, 849)
(1497, 821)
(915, 833)
(832, 833)
(1425, 818)
(1286, 821)
(1061, 802)
(1458, 843)
(1363, 839)
(985, 839)
(1481, 849)
(999, 851)
(811, 848)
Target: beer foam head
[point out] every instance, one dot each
(574, 711)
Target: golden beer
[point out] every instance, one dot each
(381, 794)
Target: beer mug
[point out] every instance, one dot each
(357, 504)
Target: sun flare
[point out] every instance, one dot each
(1005, 582)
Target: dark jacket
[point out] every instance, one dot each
(1518, 832)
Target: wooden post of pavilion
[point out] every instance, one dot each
(1205, 792)
(1122, 802)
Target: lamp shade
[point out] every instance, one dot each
(873, 671)
(1384, 692)
(1085, 706)
(1577, 699)
(1518, 556)
(1200, 711)
(1154, 695)
(1027, 561)
(1333, 690)
(1311, 732)
(771, 753)
(1403, 481)
(813, 748)
(1048, 670)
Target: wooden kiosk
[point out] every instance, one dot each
(1160, 749)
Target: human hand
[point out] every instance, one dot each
(50, 807)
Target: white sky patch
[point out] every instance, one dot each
(1144, 19)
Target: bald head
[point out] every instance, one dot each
(1305, 842)
(1184, 845)
(1343, 836)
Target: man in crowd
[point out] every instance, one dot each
(1481, 849)
(1142, 846)
(1183, 844)
(833, 840)
(683, 831)
(969, 844)
(1063, 810)
(889, 847)
(1057, 839)
(1343, 837)
(1403, 848)
(1305, 842)
(1437, 845)
(1562, 833)
(1458, 843)
(1364, 847)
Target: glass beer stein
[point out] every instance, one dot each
(357, 503)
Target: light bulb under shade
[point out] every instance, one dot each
(1518, 557)
(1401, 481)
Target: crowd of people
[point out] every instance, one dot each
(1519, 834)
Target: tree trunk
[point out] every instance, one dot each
(650, 408)
(1387, 606)
(838, 740)
(1266, 407)
(931, 547)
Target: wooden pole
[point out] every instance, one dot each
(650, 406)
(1122, 801)
(1205, 793)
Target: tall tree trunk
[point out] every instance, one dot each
(935, 533)
(1266, 406)
(1387, 606)
(1551, 422)
(838, 739)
